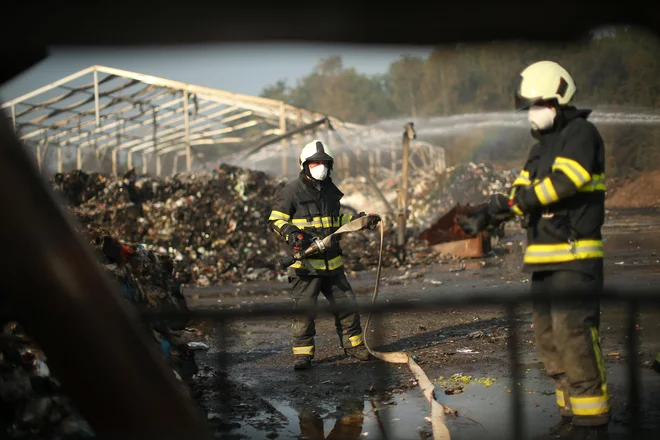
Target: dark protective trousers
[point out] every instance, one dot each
(566, 335)
(305, 291)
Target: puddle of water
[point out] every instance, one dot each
(402, 416)
(484, 412)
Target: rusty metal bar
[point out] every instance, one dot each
(81, 321)
(186, 130)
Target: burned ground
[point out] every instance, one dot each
(470, 341)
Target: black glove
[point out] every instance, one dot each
(474, 221)
(373, 221)
(299, 241)
(499, 208)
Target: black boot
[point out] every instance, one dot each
(302, 363)
(360, 352)
(590, 433)
(561, 430)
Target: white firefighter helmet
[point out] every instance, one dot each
(316, 150)
(544, 81)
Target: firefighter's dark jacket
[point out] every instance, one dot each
(306, 205)
(561, 195)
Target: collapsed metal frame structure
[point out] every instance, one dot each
(115, 115)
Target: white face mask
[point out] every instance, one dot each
(319, 172)
(541, 118)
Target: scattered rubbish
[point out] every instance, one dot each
(197, 346)
(454, 390)
(614, 354)
(435, 282)
(476, 334)
(467, 351)
(30, 393)
(485, 381)
(193, 218)
(460, 268)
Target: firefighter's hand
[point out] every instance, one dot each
(299, 241)
(474, 221)
(373, 221)
(498, 204)
(499, 209)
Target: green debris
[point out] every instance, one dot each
(460, 379)
(485, 381)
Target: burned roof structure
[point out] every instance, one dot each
(106, 119)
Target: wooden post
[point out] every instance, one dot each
(379, 161)
(79, 158)
(283, 142)
(144, 163)
(39, 156)
(408, 134)
(59, 158)
(372, 165)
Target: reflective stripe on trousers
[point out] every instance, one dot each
(594, 405)
(307, 350)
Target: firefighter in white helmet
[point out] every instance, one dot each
(560, 197)
(309, 207)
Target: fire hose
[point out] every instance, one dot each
(440, 431)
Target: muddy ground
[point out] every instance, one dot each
(255, 384)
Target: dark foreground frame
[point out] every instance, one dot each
(49, 280)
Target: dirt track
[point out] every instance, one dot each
(269, 399)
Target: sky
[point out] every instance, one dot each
(241, 68)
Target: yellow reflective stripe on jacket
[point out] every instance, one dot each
(516, 210)
(657, 357)
(545, 191)
(560, 398)
(345, 218)
(522, 179)
(307, 350)
(279, 223)
(333, 263)
(319, 222)
(597, 183)
(573, 170)
(563, 252)
(277, 215)
(303, 223)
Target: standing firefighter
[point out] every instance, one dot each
(307, 208)
(560, 195)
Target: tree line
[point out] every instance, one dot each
(616, 69)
